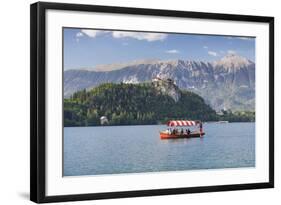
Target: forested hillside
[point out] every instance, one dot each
(132, 104)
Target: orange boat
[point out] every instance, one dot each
(174, 133)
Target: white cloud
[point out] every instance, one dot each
(241, 38)
(93, 33)
(246, 38)
(139, 35)
(124, 34)
(173, 51)
(206, 47)
(212, 53)
(231, 52)
(79, 34)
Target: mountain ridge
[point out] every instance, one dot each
(225, 84)
(229, 58)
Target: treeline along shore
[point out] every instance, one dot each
(141, 104)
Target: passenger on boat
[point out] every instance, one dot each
(201, 127)
(169, 131)
(182, 131)
(188, 131)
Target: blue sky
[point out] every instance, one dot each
(88, 47)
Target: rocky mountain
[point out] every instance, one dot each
(225, 84)
(167, 87)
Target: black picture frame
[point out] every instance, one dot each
(38, 101)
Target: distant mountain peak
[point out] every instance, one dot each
(232, 61)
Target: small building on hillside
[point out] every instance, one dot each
(161, 80)
(156, 79)
(103, 120)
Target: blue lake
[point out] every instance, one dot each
(135, 149)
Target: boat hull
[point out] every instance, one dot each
(164, 135)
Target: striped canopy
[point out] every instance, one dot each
(173, 123)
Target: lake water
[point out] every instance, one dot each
(135, 149)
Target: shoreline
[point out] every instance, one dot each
(207, 122)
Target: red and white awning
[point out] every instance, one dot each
(173, 123)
